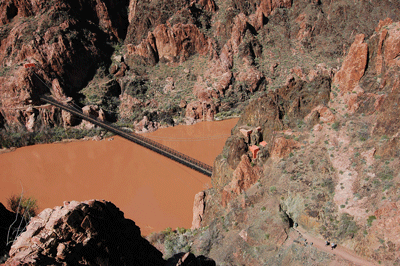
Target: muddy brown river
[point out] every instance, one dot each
(150, 189)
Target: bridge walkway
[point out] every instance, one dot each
(138, 139)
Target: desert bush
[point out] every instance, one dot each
(176, 242)
(347, 227)
(26, 207)
(370, 220)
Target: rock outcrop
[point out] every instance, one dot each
(183, 259)
(331, 160)
(63, 43)
(83, 233)
(169, 44)
(198, 209)
(353, 67)
(244, 176)
(330, 155)
(145, 125)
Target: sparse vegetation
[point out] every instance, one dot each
(21, 137)
(26, 207)
(370, 220)
(296, 51)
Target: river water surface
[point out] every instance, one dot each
(150, 189)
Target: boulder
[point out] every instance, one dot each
(251, 77)
(266, 7)
(169, 85)
(128, 104)
(208, 5)
(122, 69)
(145, 125)
(322, 112)
(92, 111)
(92, 232)
(198, 110)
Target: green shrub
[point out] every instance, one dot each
(26, 207)
(347, 226)
(371, 219)
(335, 125)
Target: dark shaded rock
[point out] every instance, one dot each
(226, 162)
(83, 233)
(8, 219)
(188, 259)
(2, 121)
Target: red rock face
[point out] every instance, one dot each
(199, 110)
(283, 147)
(244, 176)
(354, 65)
(54, 37)
(198, 209)
(170, 44)
(266, 7)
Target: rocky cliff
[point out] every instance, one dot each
(328, 166)
(315, 152)
(93, 232)
(171, 62)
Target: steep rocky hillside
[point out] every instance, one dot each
(316, 84)
(92, 232)
(171, 61)
(326, 170)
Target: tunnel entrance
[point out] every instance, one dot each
(286, 217)
(291, 223)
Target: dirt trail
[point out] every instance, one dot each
(339, 251)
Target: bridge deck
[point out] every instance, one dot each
(143, 141)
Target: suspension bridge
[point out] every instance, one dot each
(136, 138)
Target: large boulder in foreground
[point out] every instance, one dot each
(92, 232)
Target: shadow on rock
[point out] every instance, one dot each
(83, 233)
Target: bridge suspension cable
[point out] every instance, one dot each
(138, 139)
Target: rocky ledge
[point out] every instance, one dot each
(92, 232)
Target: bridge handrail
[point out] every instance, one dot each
(144, 141)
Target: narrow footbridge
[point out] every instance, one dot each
(143, 141)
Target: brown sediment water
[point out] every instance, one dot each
(150, 189)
